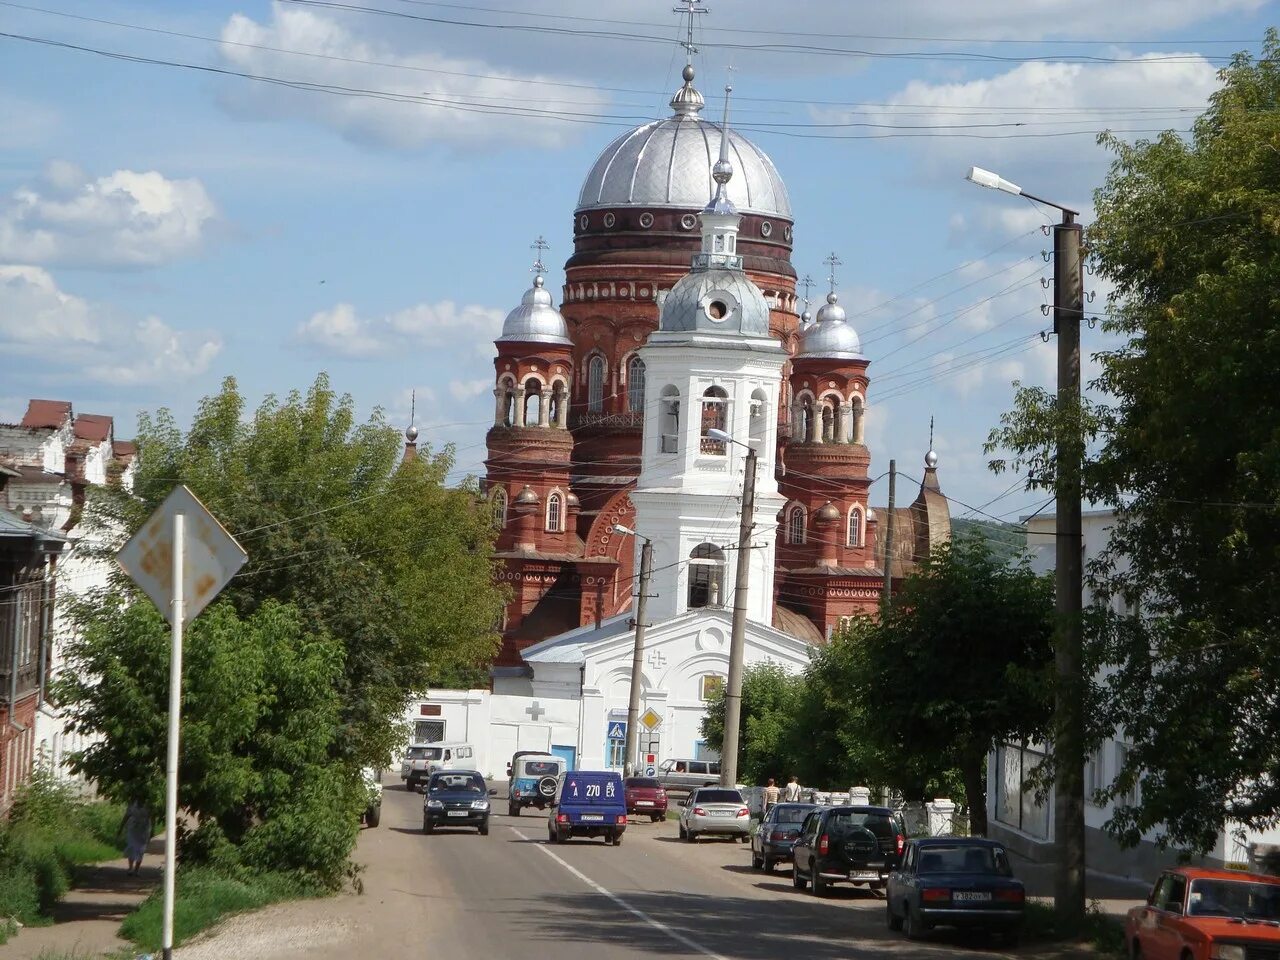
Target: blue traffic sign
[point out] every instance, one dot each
(650, 771)
(617, 730)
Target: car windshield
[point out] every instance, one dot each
(852, 821)
(963, 858)
(463, 782)
(424, 753)
(541, 768)
(642, 783)
(1234, 898)
(789, 814)
(719, 796)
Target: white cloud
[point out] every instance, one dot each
(340, 331)
(419, 98)
(125, 219)
(57, 329)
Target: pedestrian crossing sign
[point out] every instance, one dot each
(617, 730)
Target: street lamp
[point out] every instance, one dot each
(737, 643)
(637, 656)
(1068, 744)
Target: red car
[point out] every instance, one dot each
(1198, 914)
(645, 797)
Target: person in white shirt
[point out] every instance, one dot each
(792, 792)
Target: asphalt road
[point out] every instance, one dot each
(456, 894)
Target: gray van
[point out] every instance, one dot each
(682, 776)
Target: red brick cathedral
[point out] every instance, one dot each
(570, 394)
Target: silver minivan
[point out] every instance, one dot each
(683, 776)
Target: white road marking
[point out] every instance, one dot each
(675, 935)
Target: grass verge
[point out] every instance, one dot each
(206, 896)
(1103, 931)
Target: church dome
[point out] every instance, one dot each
(535, 320)
(831, 336)
(668, 163)
(716, 301)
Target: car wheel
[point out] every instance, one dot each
(820, 886)
(427, 826)
(746, 838)
(797, 879)
(757, 863)
(513, 810)
(912, 925)
(691, 836)
(682, 832)
(373, 816)
(891, 919)
(411, 785)
(768, 864)
(484, 829)
(654, 818)
(617, 839)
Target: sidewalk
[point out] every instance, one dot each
(85, 921)
(1115, 895)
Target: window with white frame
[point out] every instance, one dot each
(715, 416)
(635, 385)
(499, 507)
(1093, 776)
(555, 511)
(706, 576)
(595, 384)
(759, 418)
(855, 527)
(795, 524)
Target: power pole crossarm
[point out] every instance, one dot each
(737, 643)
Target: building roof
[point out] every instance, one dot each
(796, 625)
(46, 413)
(13, 527)
(93, 427)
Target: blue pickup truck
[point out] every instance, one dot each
(588, 803)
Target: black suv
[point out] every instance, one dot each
(847, 845)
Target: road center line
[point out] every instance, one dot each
(675, 935)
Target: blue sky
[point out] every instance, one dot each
(162, 227)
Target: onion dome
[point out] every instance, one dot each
(831, 336)
(716, 301)
(526, 496)
(871, 515)
(669, 163)
(828, 512)
(571, 499)
(535, 320)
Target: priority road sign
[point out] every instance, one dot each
(651, 718)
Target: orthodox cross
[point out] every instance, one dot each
(692, 8)
(541, 246)
(931, 433)
(807, 283)
(833, 261)
(535, 711)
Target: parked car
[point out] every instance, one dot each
(588, 803)
(1197, 914)
(777, 834)
(683, 776)
(531, 780)
(956, 882)
(646, 797)
(850, 844)
(456, 798)
(716, 811)
(373, 787)
(423, 759)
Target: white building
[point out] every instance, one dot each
(1012, 812)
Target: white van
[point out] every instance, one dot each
(423, 759)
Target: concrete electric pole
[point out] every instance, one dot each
(637, 661)
(886, 590)
(737, 643)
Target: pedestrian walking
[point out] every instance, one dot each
(136, 826)
(771, 793)
(792, 793)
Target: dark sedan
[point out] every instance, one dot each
(777, 833)
(456, 798)
(955, 882)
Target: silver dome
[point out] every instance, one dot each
(831, 336)
(697, 297)
(535, 320)
(931, 459)
(668, 163)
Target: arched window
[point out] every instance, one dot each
(508, 404)
(533, 401)
(669, 420)
(715, 416)
(759, 417)
(635, 385)
(555, 510)
(795, 524)
(499, 507)
(595, 384)
(855, 527)
(806, 419)
(828, 423)
(706, 576)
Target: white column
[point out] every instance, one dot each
(544, 407)
(846, 423)
(519, 411)
(859, 422)
(815, 424)
(499, 405)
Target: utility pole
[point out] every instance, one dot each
(637, 661)
(1068, 743)
(886, 589)
(737, 643)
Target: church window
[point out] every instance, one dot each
(759, 418)
(795, 525)
(706, 576)
(669, 420)
(828, 423)
(595, 384)
(555, 510)
(715, 416)
(855, 527)
(635, 385)
(709, 685)
(533, 401)
(499, 507)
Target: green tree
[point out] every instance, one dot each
(956, 665)
(767, 747)
(375, 552)
(1188, 233)
(260, 716)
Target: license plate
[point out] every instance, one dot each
(972, 896)
(644, 803)
(720, 813)
(864, 875)
(591, 817)
(459, 813)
